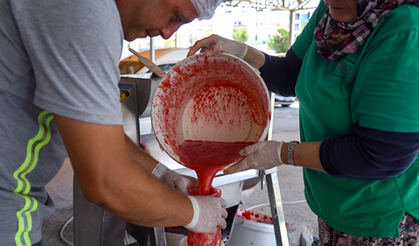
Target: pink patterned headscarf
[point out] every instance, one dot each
(336, 39)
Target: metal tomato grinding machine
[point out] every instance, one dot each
(94, 226)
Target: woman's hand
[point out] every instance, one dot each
(260, 156)
(214, 44)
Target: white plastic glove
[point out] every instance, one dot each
(209, 212)
(260, 156)
(214, 44)
(174, 180)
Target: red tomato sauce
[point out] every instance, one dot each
(207, 158)
(223, 97)
(205, 239)
(254, 216)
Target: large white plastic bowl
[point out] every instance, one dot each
(219, 99)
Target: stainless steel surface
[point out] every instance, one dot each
(160, 236)
(94, 226)
(277, 210)
(274, 193)
(129, 110)
(145, 89)
(272, 108)
(152, 50)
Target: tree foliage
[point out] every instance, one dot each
(240, 35)
(279, 42)
(291, 5)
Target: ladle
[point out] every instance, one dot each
(153, 67)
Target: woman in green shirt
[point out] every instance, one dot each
(355, 72)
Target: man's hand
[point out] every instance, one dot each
(174, 180)
(185, 184)
(209, 212)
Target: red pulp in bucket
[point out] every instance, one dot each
(254, 216)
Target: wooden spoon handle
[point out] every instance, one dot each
(153, 67)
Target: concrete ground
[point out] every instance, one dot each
(291, 185)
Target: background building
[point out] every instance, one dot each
(260, 25)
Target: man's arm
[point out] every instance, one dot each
(115, 182)
(140, 156)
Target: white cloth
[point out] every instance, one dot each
(206, 8)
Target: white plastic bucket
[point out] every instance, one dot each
(251, 233)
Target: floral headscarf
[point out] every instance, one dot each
(336, 39)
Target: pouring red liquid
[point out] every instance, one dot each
(207, 158)
(205, 110)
